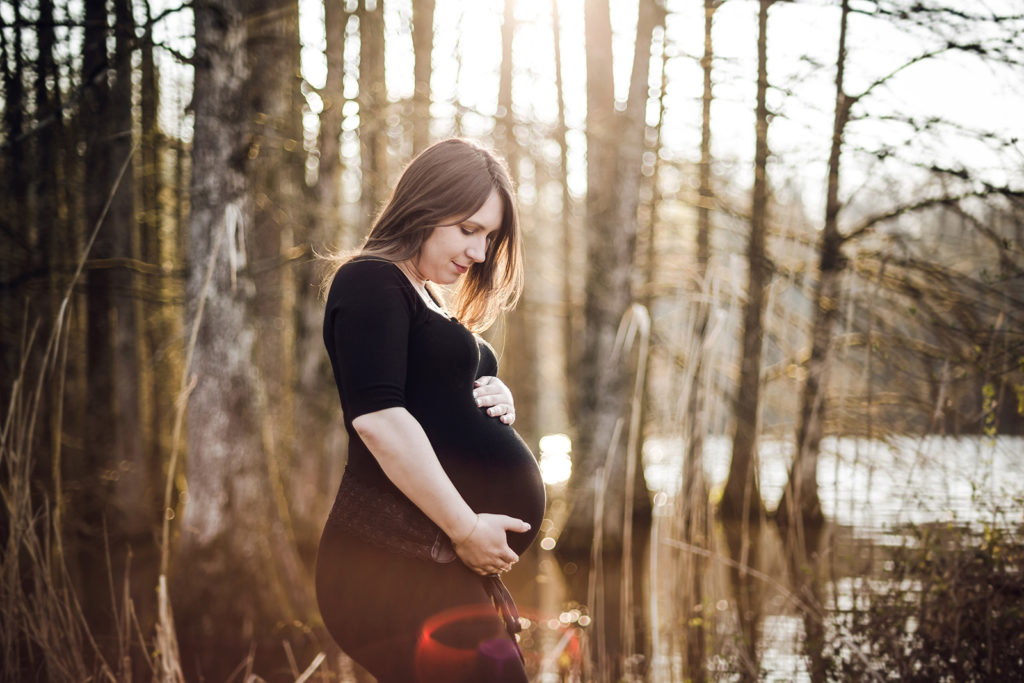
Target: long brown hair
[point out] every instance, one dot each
(446, 184)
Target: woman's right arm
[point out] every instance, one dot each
(398, 442)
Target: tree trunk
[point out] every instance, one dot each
(806, 568)
(160, 323)
(328, 184)
(275, 173)
(320, 438)
(228, 586)
(373, 99)
(800, 505)
(694, 519)
(49, 157)
(742, 496)
(615, 146)
(504, 120)
(569, 317)
(423, 49)
(161, 319)
(707, 195)
(110, 475)
(14, 117)
(136, 501)
(743, 541)
(50, 223)
(15, 196)
(518, 337)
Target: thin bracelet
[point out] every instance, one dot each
(475, 522)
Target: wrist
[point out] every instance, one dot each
(462, 538)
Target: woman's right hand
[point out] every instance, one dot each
(485, 550)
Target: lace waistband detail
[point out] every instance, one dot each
(387, 519)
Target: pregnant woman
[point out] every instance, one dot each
(440, 495)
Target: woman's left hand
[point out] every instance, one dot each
(492, 394)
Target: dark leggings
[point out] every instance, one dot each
(411, 621)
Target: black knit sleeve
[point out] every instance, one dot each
(366, 329)
(488, 364)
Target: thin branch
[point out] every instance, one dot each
(71, 23)
(944, 200)
(902, 67)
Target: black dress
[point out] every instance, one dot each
(408, 618)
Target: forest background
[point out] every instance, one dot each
(770, 352)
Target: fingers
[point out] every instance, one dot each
(493, 566)
(487, 550)
(491, 571)
(513, 524)
(501, 410)
(497, 406)
(492, 393)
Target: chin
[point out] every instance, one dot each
(447, 280)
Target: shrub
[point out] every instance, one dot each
(950, 607)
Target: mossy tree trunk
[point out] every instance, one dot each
(236, 578)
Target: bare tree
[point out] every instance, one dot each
(800, 507)
(114, 427)
(275, 175)
(15, 101)
(49, 221)
(615, 146)
(741, 498)
(517, 334)
(423, 49)
(373, 99)
(328, 185)
(694, 521)
(570, 317)
(319, 435)
(12, 202)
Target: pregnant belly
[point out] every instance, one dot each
(495, 472)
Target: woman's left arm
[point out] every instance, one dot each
(491, 393)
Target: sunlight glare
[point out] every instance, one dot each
(555, 461)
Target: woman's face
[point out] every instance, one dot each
(450, 250)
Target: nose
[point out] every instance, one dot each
(477, 249)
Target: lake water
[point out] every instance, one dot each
(868, 488)
(869, 485)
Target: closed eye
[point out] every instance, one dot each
(491, 236)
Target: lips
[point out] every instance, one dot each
(460, 269)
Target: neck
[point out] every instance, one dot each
(420, 284)
(413, 274)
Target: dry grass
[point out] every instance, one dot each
(44, 633)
